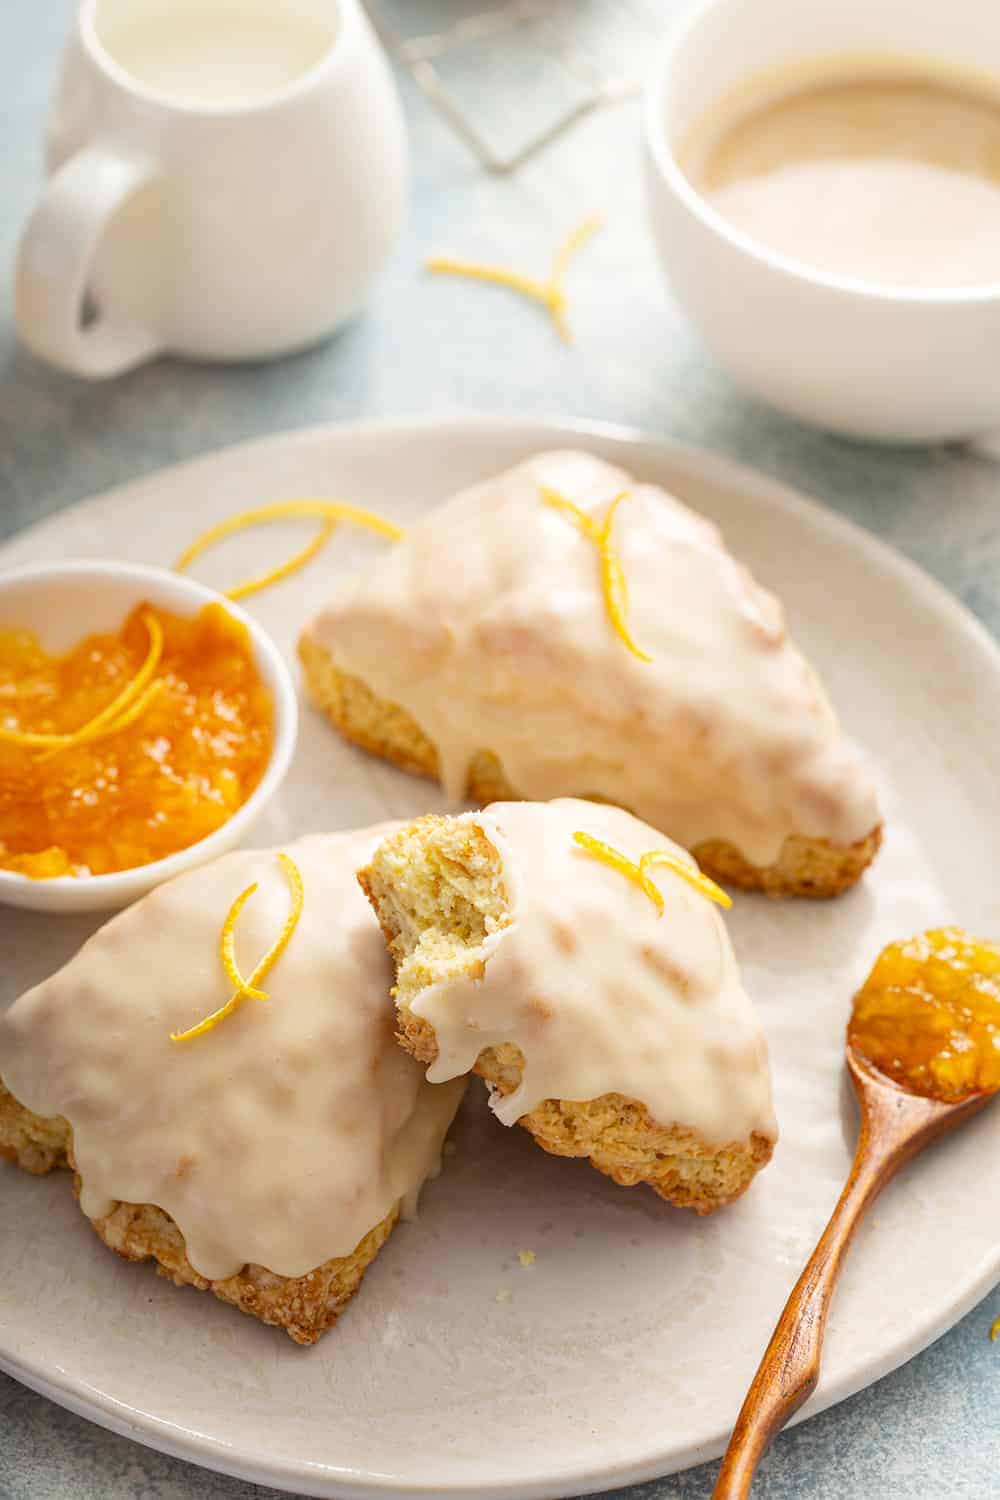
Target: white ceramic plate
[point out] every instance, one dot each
(624, 1351)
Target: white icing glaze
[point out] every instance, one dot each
(282, 1136)
(487, 623)
(600, 993)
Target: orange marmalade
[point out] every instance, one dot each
(928, 1015)
(154, 779)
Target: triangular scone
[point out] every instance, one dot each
(481, 649)
(607, 1028)
(267, 1159)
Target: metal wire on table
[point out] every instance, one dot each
(583, 54)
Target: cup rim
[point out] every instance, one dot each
(349, 21)
(661, 153)
(108, 892)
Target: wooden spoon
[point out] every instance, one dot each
(895, 1125)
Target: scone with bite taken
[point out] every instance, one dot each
(218, 1067)
(564, 630)
(577, 961)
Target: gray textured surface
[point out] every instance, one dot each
(931, 1430)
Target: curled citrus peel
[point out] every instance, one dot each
(660, 858)
(126, 706)
(227, 947)
(551, 293)
(331, 512)
(611, 857)
(573, 242)
(133, 712)
(248, 988)
(995, 1330)
(613, 581)
(285, 569)
(639, 873)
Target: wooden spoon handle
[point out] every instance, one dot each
(789, 1370)
(894, 1127)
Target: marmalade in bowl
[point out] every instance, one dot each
(81, 797)
(928, 1015)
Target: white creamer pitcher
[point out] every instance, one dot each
(227, 178)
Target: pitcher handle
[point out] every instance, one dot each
(54, 261)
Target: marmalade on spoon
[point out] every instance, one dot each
(160, 783)
(928, 1015)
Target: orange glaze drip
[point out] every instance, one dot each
(165, 778)
(928, 1015)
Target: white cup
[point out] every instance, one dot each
(895, 364)
(227, 178)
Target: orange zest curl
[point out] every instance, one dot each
(995, 1331)
(574, 241)
(285, 569)
(585, 523)
(475, 270)
(688, 872)
(638, 873)
(331, 512)
(616, 861)
(227, 947)
(613, 581)
(134, 711)
(123, 709)
(551, 293)
(615, 585)
(249, 987)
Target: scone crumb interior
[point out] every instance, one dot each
(439, 892)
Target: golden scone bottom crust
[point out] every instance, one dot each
(606, 1031)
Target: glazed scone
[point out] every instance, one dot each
(480, 650)
(605, 1029)
(268, 1159)
(303, 1305)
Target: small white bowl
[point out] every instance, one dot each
(898, 364)
(63, 602)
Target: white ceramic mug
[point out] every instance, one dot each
(867, 360)
(227, 178)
